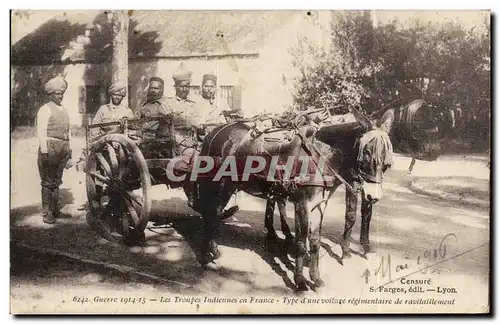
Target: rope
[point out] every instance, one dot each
(309, 151)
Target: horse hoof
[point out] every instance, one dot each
(205, 258)
(211, 266)
(346, 255)
(213, 251)
(367, 248)
(318, 283)
(216, 254)
(301, 284)
(302, 287)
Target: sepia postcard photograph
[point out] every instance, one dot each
(250, 162)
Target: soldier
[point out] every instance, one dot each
(114, 110)
(155, 104)
(111, 112)
(211, 109)
(54, 153)
(186, 121)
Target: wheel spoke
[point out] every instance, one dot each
(113, 159)
(117, 211)
(104, 164)
(132, 212)
(125, 169)
(101, 178)
(91, 187)
(122, 158)
(129, 197)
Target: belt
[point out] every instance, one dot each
(59, 139)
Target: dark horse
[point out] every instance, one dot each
(418, 130)
(356, 152)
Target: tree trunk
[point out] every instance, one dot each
(119, 61)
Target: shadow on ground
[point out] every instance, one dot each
(403, 224)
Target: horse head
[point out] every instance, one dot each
(366, 147)
(374, 152)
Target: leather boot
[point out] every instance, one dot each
(54, 203)
(46, 211)
(48, 217)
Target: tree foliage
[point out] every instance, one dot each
(445, 64)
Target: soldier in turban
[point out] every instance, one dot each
(214, 110)
(114, 110)
(54, 153)
(186, 121)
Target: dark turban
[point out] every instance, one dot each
(157, 79)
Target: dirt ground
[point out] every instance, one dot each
(408, 229)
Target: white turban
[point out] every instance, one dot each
(55, 84)
(118, 87)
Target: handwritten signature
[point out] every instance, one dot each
(425, 261)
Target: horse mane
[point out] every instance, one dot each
(381, 144)
(412, 109)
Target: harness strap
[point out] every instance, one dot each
(325, 201)
(308, 150)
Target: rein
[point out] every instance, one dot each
(306, 145)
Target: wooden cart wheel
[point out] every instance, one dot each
(118, 189)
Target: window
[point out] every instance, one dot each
(227, 94)
(194, 90)
(89, 99)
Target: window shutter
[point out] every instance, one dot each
(82, 100)
(236, 97)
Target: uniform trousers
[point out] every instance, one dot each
(51, 168)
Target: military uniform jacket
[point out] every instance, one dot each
(186, 119)
(155, 108)
(211, 112)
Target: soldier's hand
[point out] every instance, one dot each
(201, 130)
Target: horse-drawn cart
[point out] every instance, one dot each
(121, 167)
